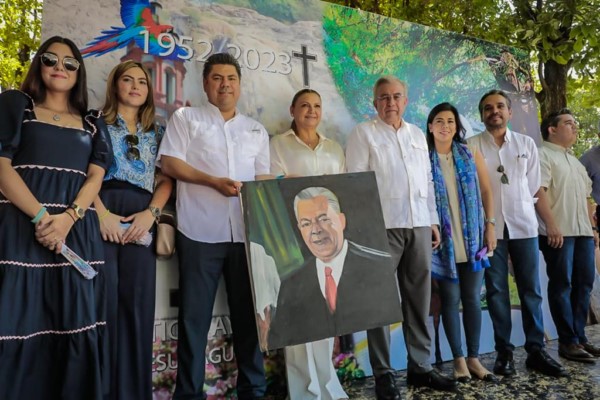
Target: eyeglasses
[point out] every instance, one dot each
(133, 153)
(386, 97)
(504, 177)
(50, 60)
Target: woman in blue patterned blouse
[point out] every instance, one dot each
(132, 197)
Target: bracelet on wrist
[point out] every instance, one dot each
(104, 215)
(39, 215)
(70, 215)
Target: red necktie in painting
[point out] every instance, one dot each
(330, 289)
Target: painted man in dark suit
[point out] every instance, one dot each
(345, 288)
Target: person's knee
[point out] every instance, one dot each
(472, 301)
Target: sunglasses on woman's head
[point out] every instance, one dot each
(50, 60)
(133, 153)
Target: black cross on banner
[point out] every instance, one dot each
(305, 59)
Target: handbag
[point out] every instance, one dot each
(165, 236)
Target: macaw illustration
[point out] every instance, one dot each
(138, 17)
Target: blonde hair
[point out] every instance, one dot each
(146, 113)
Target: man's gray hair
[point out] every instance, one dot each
(389, 79)
(312, 192)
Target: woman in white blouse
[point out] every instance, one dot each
(302, 151)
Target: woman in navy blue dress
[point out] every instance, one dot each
(53, 155)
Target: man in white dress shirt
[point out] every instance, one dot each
(210, 150)
(513, 164)
(397, 152)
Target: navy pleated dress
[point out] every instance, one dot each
(52, 320)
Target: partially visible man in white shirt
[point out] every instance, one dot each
(512, 161)
(397, 152)
(210, 150)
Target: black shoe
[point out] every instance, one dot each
(575, 353)
(504, 364)
(591, 348)
(490, 378)
(486, 377)
(385, 387)
(432, 379)
(541, 361)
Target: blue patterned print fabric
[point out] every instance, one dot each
(137, 172)
(471, 211)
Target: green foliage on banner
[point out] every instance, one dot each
(439, 66)
(563, 37)
(20, 31)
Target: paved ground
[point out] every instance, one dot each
(583, 384)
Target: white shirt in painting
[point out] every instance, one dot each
(265, 279)
(514, 203)
(400, 160)
(237, 149)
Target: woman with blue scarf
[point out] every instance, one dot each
(462, 194)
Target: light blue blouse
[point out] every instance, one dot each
(137, 172)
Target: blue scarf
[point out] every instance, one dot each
(471, 211)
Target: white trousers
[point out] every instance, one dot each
(310, 372)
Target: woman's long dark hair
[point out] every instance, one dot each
(459, 135)
(34, 86)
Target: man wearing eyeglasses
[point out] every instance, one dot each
(398, 154)
(513, 164)
(571, 266)
(210, 150)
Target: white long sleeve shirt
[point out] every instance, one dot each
(400, 160)
(514, 203)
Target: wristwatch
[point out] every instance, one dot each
(79, 212)
(156, 212)
(490, 221)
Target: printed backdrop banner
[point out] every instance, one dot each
(284, 46)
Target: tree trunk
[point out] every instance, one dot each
(553, 96)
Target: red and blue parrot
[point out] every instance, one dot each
(137, 16)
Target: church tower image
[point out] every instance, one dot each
(166, 75)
